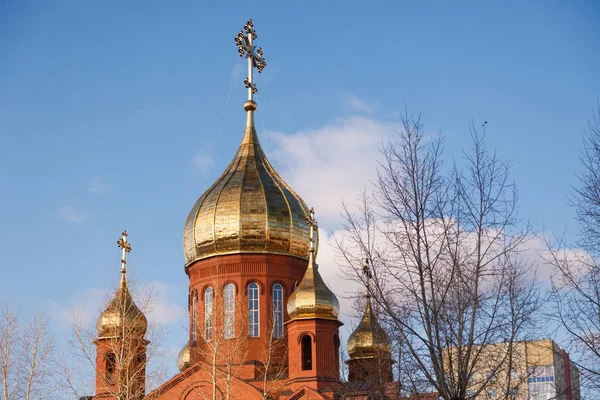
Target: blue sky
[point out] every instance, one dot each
(119, 115)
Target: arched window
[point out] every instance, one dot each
(253, 310)
(194, 316)
(208, 304)
(306, 352)
(277, 311)
(229, 311)
(111, 362)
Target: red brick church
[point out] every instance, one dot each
(262, 322)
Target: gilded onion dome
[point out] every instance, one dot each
(249, 209)
(121, 316)
(369, 339)
(312, 298)
(184, 358)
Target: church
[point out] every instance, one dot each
(262, 322)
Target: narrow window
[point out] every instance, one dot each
(110, 368)
(208, 302)
(229, 332)
(336, 348)
(253, 311)
(277, 311)
(194, 316)
(306, 352)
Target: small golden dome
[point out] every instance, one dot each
(312, 298)
(249, 209)
(184, 358)
(369, 339)
(121, 316)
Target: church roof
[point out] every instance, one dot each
(369, 339)
(249, 209)
(122, 316)
(312, 298)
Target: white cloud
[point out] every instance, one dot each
(68, 213)
(84, 307)
(164, 310)
(331, 163)
(99, 186)
(357, 104)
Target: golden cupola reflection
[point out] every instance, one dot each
(369, 339)
(312, 298)
(122, 316)
(249, 209)
(184, 358)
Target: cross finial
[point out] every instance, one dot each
(126, 247)
(368, 276)
(254, 55)
(312, 226)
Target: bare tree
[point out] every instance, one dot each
(586, 196)
(444, 252)
(575, 295)
(273, 369)
(222, 349)
(26, 356)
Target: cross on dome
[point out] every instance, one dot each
(254, 55)
(368, 276)
(126, 247)
(312, 227)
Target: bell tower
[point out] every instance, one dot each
(121, 346)
(313, 329)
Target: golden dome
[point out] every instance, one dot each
(121, 316)
(312, 298)
(184, 358)
(249, 209)
(369, 339)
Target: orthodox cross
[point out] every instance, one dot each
(126, 247)
(312, 226)
(368, 276)
(254, 55)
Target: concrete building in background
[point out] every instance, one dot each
(538, 370)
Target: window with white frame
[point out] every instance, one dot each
(253, 310)
(208, 307)
(277, 311)
(229, 311)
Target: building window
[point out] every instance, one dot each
(277, 311)
(229, 311)
(208, 309)
(253, 310)
(540, 382)
(194, 316)
(111, 362)
(306, 352)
